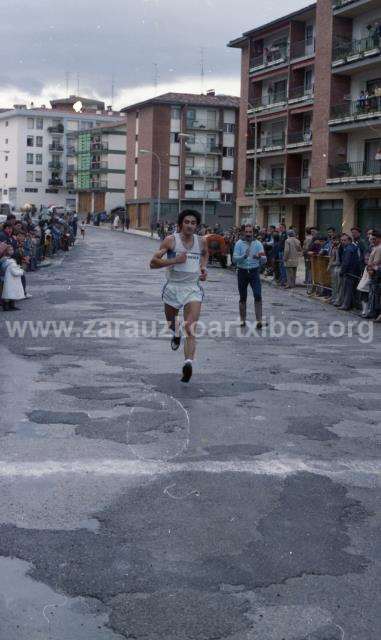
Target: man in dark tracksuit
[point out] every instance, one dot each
(350, 271)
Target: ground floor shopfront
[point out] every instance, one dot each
(98, 201)
(143, 213)
(339, 209)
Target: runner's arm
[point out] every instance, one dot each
(204, 259)
(158, 262)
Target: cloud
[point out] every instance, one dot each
(41, 41)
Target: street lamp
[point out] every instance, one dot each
(186, 136)
(147, 152)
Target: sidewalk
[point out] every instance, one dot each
(133, 232)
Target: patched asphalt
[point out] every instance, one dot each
(242, 506)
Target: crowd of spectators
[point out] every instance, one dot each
(27, 243)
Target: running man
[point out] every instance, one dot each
(247, 255)
(186, 261)
(83, 229)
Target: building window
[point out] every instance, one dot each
(30, 190)
(135, 183)
(5, 192)
(309, 34)
(6, 158)
(191, 115)
(173, 185)
(39, 123)
(39, 141)
(29, 158)
(174, 161)
(174, 137)
(5, 175)
(305, 168)
(189, 161)
(38, 176)
(6, 123)
(229, 128)
(175, 113)
(30, 141)
(227, 197)
(38, 158)
(6, 140)
(228, 152)
(29, 176)
(30, 123)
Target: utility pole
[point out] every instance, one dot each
(67, 78)
(202, 69)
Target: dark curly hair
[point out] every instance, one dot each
(188, 212)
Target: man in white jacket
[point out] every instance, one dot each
(12, 288)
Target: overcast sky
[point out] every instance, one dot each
(95, 40)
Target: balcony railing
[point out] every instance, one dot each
(360, 109)
(194, 147)
(339, 4)
(272, 140)
(300, 93)
(201, 195)
(202, 124)
(100, 186)
(299, 138)
(354, 171)
(99, 166)
(302, 48)
(99, 146)
(55, 165)
(56, 147)
(55, 182)
(297, 185)
(70, 151)
(200, 173)
(352, 50)
(270, 57)
(270, 186)
(270, 100)
(292, 186)
(56, 128)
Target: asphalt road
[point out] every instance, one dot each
(243, 506)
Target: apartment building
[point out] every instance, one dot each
(98, 170)
(181, 152)
(310, 127)
(37, 147)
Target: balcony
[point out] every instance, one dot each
(302, 49)
(55, 165)
(206, 125)
(203, 195)
(71, 151)
(352, 8)
(71, 168)
(296, 139)
(201, 149)
(269, 187)
(356, 51)
(270, 58)
(356, 111)
(98, 186)
(99, 146)
(362, 172)
(270, 102)
(294, 186)
(200, 173)
(99, 166)
(297, 185)
(55, 182)
(271, 142)
(58, 148)
(57, 128)
(300, 94)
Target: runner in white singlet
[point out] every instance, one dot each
(186, 261)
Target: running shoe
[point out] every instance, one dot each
(175, 342)
(187, 372)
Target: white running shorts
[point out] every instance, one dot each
(178, 295)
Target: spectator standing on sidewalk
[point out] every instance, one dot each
(292, 252)
(12, 288)
(334, 267)
(282, 240)
(374, 270)
(350, 272)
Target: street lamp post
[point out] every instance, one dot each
(145, 152)
(255, 159)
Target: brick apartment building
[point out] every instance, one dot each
(311, 97)
(190, 145)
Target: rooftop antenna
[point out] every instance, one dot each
(67, 78)
(155, 76)
(202, 63)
